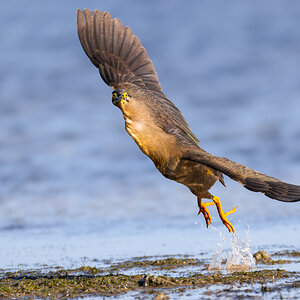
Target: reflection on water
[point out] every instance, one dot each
(71, 178)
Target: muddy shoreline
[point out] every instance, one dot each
(153, 278)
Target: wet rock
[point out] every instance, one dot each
(293, 253)
(265, 289)
(262, 256)
(152, 280)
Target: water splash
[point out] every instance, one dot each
(216, 261)
(240, 258)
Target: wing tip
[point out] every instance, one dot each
(80, 18)
(283, 191)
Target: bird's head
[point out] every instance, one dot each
(131, 103)
(120, 98)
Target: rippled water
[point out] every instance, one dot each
(76, 189)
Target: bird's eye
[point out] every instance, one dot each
(125, 96)
(114, 96)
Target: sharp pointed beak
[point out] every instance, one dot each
(116, 100)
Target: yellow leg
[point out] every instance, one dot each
(202, 209)
(223, 216)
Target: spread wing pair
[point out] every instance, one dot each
(123, 62)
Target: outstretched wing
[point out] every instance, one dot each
(124, 63)
(250, 179)
(116, 51)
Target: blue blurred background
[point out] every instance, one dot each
(66, 161)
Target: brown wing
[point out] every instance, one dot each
(115, 50)
(250, 179)
(124, 63)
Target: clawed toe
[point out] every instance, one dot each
(231, 211)
(223, 216)
(206, 215)
(202, 209)
(228, 225)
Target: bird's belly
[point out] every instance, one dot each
(197, 177)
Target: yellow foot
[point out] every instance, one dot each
(202, 209)
(223, 216)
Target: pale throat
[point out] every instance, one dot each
(150, 139)
(135, 128)
(135, 121)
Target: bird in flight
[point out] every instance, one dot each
(156, 124)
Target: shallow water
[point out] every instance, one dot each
(74, 187)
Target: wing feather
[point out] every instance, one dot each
(115, 51)
(124, 63)
(249, 178)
